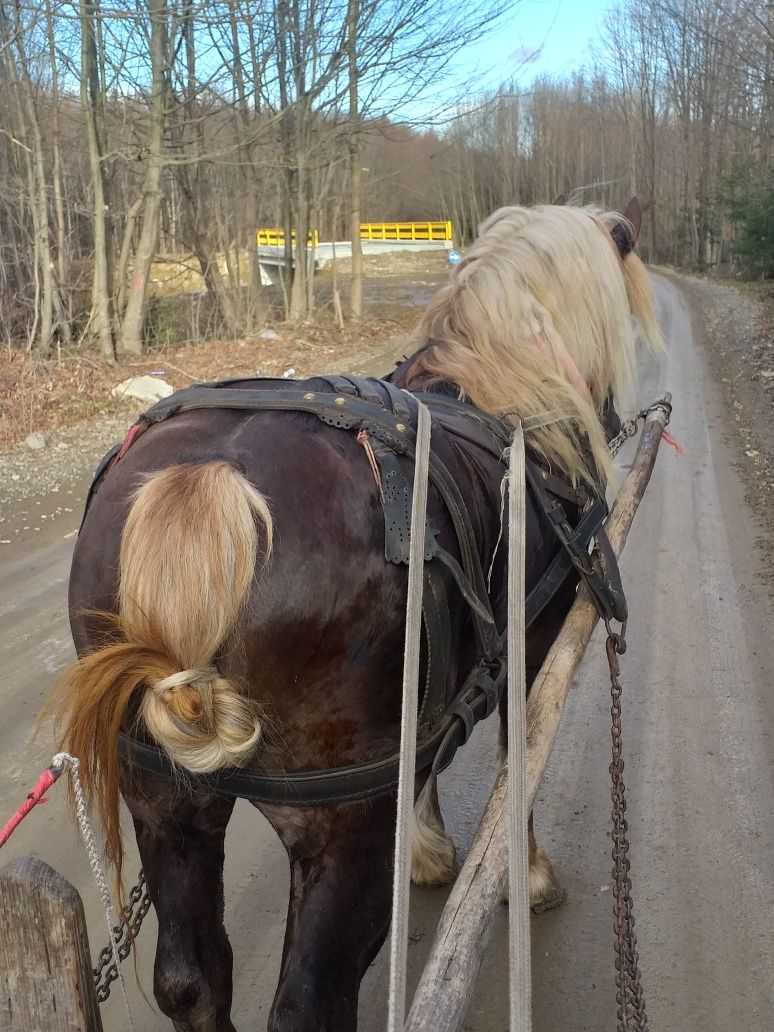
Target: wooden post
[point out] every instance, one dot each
(445, 989)
(46, 981)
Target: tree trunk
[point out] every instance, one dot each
(61, 300)
(215, 284)
(248, 152)
(298, 300)
(123, 258)
(101, 303)
(356, 289)
(134, 316)
(42, 330)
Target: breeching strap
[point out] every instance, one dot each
(520, 974)
(408, 735)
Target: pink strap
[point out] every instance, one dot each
(668, 439)
(45, 781)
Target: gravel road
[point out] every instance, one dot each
(698, 724)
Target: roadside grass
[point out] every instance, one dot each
(38, 394)
(46, 394)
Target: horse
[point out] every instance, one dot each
(234, 613)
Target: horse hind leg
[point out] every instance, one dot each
(433, 854)
(181, 843)
(545, 890)
(341, 860)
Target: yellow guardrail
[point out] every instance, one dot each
(276, 237)
(269, 237)
(405, 230)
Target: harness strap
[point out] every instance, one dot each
(482, 612)
(555, 575)
(397, 517)
(487, 636)
(610, 602)
(408, 729)
(577, 496)
(479, 428)
(396, 505)
(611, 574)
(438, 637)
(481, 694)
(338, 784)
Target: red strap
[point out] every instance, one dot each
(668, 439)
(133, 433)
(45, 781)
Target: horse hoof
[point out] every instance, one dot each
(552, 898)
(555, 897)
(433, 862)
(433, 853)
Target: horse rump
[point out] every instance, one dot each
(188, 556)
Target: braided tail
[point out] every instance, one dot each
(189, 552)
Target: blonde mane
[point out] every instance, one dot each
(537, 319)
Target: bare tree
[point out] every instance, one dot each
(20, 36)
(134, 315)
(92, 106)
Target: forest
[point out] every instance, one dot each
(137, 134)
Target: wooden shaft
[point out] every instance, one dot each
(445, 989)
(45, 969)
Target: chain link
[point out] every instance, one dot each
(132, 916)
(629, 996)
(629, 427)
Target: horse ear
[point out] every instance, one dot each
(559, 201)
(625, 234)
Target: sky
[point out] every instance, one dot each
(539, 37)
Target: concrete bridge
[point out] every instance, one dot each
(272, 257)
(376, 238)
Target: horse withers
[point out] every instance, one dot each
(235, 614)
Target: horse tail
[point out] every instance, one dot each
(189, 550)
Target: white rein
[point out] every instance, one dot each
(518, 921)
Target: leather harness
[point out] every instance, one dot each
(388, 416)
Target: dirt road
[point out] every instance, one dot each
(698, 725)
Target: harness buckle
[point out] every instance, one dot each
(488, 686)
(460, 708)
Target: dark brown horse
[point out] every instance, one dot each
(232, 605)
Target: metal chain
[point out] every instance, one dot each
(124, 934)
(629, 427)
(629, 993)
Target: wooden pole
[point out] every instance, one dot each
(445, 989)
(46, 980)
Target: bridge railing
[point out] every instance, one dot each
(400, 231)
(405, 230)
(266, 237)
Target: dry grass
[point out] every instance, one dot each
(37, 394)
(173, 274)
